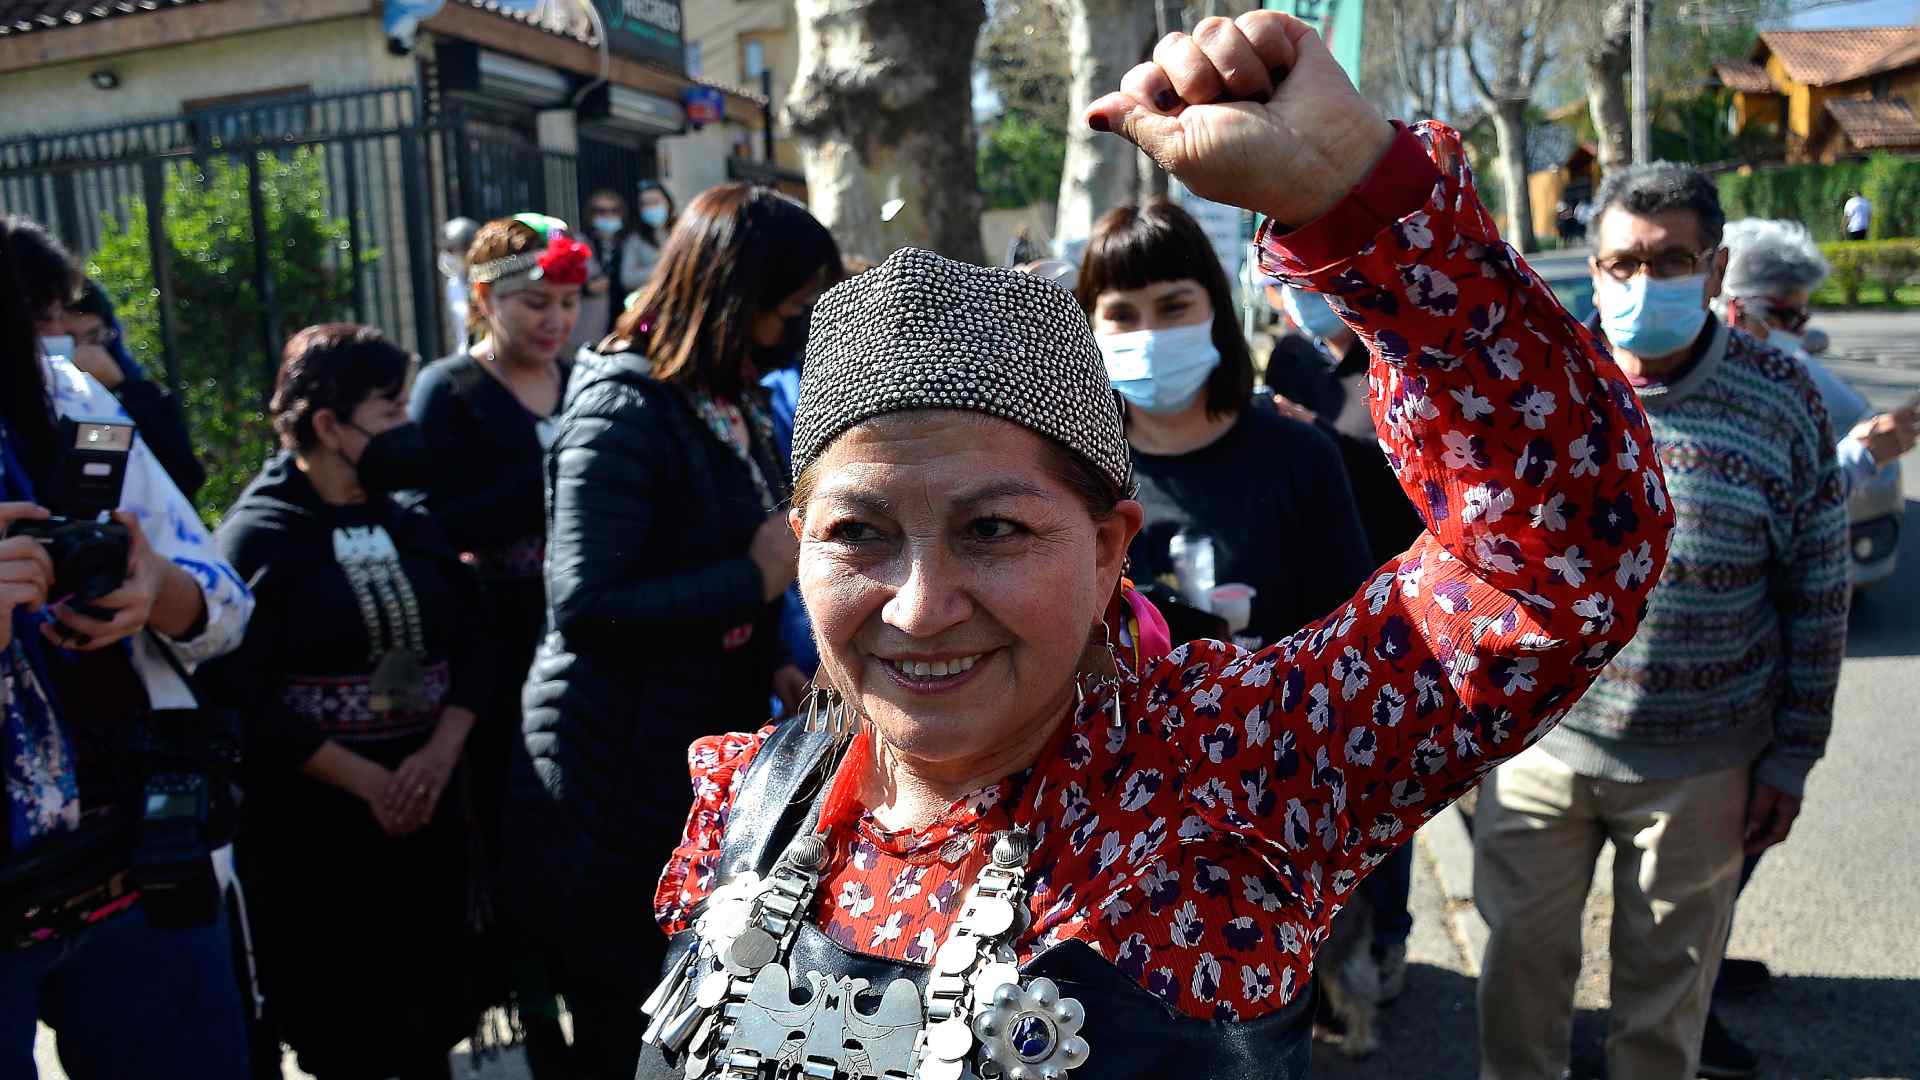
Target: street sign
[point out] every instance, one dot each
(645, 30)
(705, 105)
(1339, 23)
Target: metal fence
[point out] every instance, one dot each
(388, 175)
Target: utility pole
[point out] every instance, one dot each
(1642, 132)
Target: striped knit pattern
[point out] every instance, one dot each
(1740, 650)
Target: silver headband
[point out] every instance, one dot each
(925, 332)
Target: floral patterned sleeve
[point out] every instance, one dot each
(1531, 462)
(717, 764)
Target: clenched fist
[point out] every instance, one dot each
(1253, 112)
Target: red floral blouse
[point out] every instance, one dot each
(1203, 846)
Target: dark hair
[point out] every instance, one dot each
(1659, 186)
(497, 239)
(653, 236)
(740, 250)
(333, 366)
(35, 273)
(1136, 246)
(91, 300)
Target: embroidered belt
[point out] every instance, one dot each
(343, 705)
(524, 559)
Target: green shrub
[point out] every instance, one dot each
(1814, 195)
(224, 376)
(1886, 263)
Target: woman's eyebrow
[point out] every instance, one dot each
(999, 489)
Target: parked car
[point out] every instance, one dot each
(1877, 509)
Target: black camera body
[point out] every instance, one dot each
(89, 555)
(185, 760)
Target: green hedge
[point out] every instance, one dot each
(1886, 263)
(1814, 194)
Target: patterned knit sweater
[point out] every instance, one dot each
(1740, 651)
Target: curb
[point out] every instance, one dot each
(1449, 843)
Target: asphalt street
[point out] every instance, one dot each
(1835, 911)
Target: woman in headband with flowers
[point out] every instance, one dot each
(488, 412)
(1002, 849)
(666, 562)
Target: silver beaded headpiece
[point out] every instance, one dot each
(921, 331)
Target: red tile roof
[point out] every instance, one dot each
(1825, 57)
(1744, 76)
(1874, 125)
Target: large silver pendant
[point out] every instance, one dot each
(1030, 1032)
(825, 1029)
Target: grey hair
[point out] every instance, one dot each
(1663, 185)
(1772, 258)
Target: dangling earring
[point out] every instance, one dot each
(825, 710)
(1102, 676)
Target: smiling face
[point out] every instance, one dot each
(953, 577)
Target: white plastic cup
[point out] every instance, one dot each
(1234, 603)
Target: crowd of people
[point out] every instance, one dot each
(1106, 663)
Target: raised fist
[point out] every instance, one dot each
(1253, 112)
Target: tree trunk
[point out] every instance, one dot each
(883, 106)
(1608, 61)
(1510, 127)
(1105, 38)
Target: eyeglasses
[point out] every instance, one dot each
(1667, 264)
(1788, 317)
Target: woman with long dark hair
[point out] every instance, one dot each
(130, 992)
(360, 680)
(667, 555)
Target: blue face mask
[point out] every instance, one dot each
(1161, 371)
(1652, 318)
(1311, 313)
(654, 216)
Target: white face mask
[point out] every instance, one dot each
(1161, 371)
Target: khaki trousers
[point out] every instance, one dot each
(1677, 848)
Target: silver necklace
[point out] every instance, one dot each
(727, 1003)
(390, 613)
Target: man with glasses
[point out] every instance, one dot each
(1694, 745)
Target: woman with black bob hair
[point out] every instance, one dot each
(667, 555)
(359, 681)
(1163, 317)
(130, 992)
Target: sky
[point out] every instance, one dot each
(1862, 13)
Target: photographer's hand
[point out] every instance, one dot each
(26, 573)
(155, 591)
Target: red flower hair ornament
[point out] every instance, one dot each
(564, 261)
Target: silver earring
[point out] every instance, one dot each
(1103, 678)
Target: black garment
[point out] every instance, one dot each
(1294, 536)
(1298, 369)
(1131, 1033)
(658, 632)
(362, 940)
(163, 427)
(488, 498)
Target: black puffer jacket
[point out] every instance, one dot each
(657, 627)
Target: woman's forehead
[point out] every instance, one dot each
(945, 452)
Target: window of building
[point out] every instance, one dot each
(1882, 87)
(693, 59)
(755, 60)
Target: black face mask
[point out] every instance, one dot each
(397, 459)
(788, 351)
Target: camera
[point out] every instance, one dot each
(89, 555)
(186, 759)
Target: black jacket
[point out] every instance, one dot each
(658, 630)
(1297, 369)
(487, 487)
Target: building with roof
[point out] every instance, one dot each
(1829, 94)
(474, 108)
